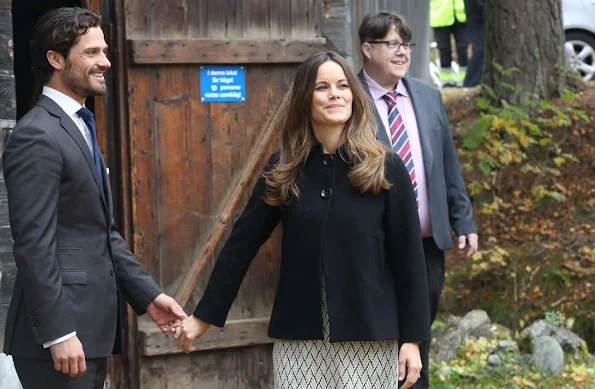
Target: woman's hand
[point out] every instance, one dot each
(410, 361)
(188, 331)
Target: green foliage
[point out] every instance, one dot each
(471, 371)
(508, 135)
(554, 318)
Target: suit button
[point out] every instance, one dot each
(112, 272)
(326, 193)
(328, 160)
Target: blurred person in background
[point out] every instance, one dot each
(448, 18)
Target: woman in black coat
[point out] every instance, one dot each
(353, 277)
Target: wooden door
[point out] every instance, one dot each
(192, 166)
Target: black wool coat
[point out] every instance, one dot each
(368, 248)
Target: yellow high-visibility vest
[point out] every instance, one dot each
(444, 13)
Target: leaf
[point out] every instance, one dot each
(556, 195)
(524, 140)
(485, 167)
(476, 132)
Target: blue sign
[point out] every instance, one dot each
(222, 84)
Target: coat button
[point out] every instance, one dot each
(326, 193)
(112, 272)
(328, 160)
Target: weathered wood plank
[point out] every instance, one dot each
(9, 272)
(216, 20)
(4, 211)
(168, 18)
(138, 18)
(143, 168)
(197, 16)
(257, 19)
(305, 17)
(236, 333)
(6, 43)
(179, 224)
(8, 102)
(234, 19)
(213, 51)
(237, 368)
(6, 241)
(3, 314)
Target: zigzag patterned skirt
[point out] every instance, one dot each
(320, 364)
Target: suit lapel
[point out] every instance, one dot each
(71, 128)
(381, 134)
(422, 124)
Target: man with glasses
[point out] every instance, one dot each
(412, 121)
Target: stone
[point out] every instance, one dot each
(568, 340)
(447, 346)
(445, 372)
(494, 360)
(473, 320)
(508, 345)
(548, 355)
(8, 376)
(454, 320)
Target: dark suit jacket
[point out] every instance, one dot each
(447, 195)
(368, 247)
(71, 260)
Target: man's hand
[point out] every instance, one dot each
(189, 330)
(409, 361)
(166, 312)
(69, 357)
(472, 241)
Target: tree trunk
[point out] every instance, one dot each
(526, 35)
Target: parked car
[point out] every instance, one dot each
(579, 27)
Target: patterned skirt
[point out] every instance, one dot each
(316, 364)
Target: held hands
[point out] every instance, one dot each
(69, 357)
(188, 331)
(409, 361)
(166, 313)
(471, 240)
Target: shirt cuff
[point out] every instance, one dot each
(59, 340)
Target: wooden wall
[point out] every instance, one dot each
(7, 117)
(192, 166)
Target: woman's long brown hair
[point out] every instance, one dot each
(361, 150)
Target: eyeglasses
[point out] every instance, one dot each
(395, 45)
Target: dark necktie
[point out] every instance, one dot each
(89, 119)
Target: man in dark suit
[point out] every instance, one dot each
(419, 132)
(63, 319)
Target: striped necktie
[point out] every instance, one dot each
(399, 139)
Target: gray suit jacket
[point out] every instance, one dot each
(71, 260)
(447, 196)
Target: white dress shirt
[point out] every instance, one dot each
(71, 107)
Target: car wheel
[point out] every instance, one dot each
(580, 53)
